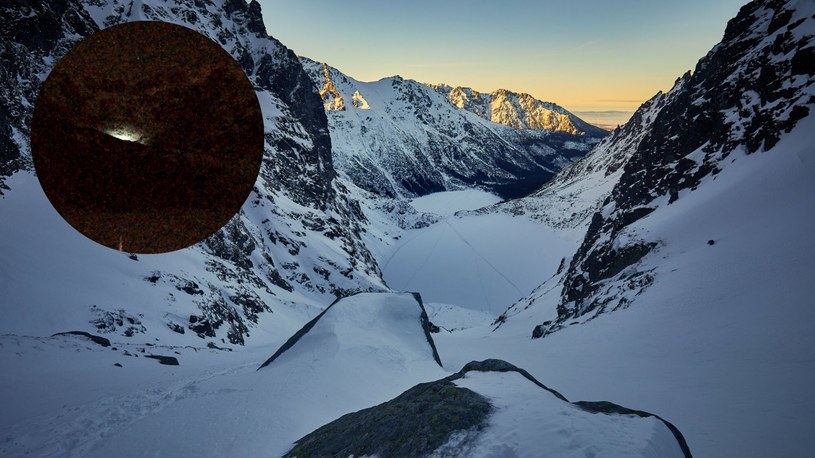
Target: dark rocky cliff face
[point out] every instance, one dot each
(298, 232)
(745, 94)
(36, 36)
(33, 36)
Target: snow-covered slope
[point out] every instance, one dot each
(362, 351)
(519, 427)
(694, 273)
(295, 242)
(743, 97)
(521, 111)
(721, 342)
(396, 137)
(481, 262)
(705, 218)
(492, 408)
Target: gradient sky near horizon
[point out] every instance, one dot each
(598, 58)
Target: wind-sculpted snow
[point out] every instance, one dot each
(365, 323)
(362, 351)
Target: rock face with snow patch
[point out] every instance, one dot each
(492, 407)
(747, 93)
(396, 137)
(414, 424)
(297, 238)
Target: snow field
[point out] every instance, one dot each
(482, 263)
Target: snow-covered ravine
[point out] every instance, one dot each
(480, 262)
(73, 400)
(718, 340)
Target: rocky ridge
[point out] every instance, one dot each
(749, 91)
(399, 138)
(570, 199)
(517, 110)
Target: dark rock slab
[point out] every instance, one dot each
(166, 360)
(94, 338)
(413, 424)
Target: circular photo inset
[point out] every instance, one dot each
(147, 137)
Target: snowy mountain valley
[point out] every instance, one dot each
(400, 138)
(425, 270)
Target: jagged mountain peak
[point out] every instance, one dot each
(569, 200)
(398, 137)
(332, 99)
(517, 109)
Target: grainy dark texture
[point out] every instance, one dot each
(147, 137)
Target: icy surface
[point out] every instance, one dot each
(449, 202)
(478, 262)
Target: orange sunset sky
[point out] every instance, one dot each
(600, 59)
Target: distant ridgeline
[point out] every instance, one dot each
(397, 137)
